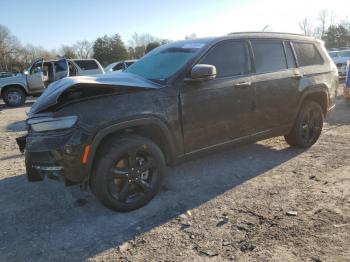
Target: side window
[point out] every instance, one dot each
(36, 68)
(290, 56)
(307, 54)
(269, 56)
(60, 66)
(86, 64)
(229, 57)
(118, 66)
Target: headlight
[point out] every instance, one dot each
(42, 124)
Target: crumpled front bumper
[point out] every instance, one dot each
(56, 155)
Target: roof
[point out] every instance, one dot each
(280, 35)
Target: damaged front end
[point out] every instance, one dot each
(57, 142)
(53, 149)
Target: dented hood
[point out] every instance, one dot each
(120, 80)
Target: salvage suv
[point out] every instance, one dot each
(33, 81)
(116, 133)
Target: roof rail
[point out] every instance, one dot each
(264, 32)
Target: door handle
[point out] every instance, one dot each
(297, 76)
(242, 84)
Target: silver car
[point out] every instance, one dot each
(37, 78)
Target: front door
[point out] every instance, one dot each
(35, 77)
(217, 111)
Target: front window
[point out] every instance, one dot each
(165, 61)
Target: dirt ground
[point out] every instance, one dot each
(259, 202)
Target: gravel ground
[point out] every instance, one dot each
(259, 202)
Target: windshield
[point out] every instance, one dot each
(165, 61)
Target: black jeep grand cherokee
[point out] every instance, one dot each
(116, 133)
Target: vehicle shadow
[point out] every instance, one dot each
(18, 126)
(43, 221)
(26, 104)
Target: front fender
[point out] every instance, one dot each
(98, 138)
(14, 81)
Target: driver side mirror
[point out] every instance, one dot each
(202, 72)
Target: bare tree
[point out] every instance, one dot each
(323, 16)
(306, 27)
(9, 47)
(67, 51)
(191, 36)
(266, 28)
(83, 49)
(142, 39)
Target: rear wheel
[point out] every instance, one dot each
(14, 96)
(129, 173)
(308, 126)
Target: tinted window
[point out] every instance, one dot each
(307, 54)
(118, 66)
(289, 55)
(229, 57)
(61, 65)
(269, 56)
(86, 64)
(129, 63)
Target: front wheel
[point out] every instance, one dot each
(307, 127)
(14, 96)
(129, 173)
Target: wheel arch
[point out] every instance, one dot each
(3, 88)
(317, 94)
(151, 128)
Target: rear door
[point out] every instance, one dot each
(219, 110)
(276, 83)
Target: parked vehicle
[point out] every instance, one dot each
(340, 58)
(119, 66)
(116, 133)
(346, 90)
(5, 74)
(33, 82)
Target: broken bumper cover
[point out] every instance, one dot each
(56, 155)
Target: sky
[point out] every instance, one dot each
(53, 23)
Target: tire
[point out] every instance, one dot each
(14, 96)
(121, 180)
(307, 127)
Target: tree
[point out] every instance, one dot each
(67, 51)
(306, 27)
(266, 28)
(323, 19)
(151, 46)
(139, 42)
(109, 49)
(191, 36)
(83, 49)
(9, 48)
(337, 36)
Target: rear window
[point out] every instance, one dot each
(269, 56)
(86, 64)
(307, 54)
